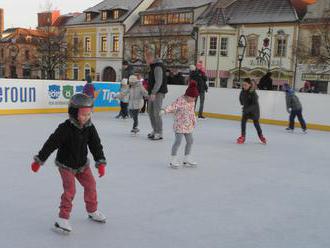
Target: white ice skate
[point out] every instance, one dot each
(188, 162)
(62, 226)
(97, 216)
(174, 164)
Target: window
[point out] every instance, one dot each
(203, 45)
(104, 15)
(173, 18)
(316, 45)
(116, 14)
(184, 51)
(252, 46)
(103, 43)
(115, 43)
(75, 72)
(224, 47)
(87, 71)
(2, 54)
(88, 17)
(134, 52)
(169, 52)
(27, 54)
(75, 44)
(280, 48)
(213, 46)
(87, 44)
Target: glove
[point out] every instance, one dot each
(162, 112)
(35, 166)
(101, 169)
(289, 110)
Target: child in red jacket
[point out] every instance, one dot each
(71, 140)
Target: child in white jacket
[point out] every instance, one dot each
(135, 102)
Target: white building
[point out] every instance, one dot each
(269, 30)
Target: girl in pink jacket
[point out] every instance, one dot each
(184, 123)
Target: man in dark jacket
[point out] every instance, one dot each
(127, 70)
(157, 90)
(266, 82)
(200, 78)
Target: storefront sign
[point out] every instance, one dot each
(316, 77)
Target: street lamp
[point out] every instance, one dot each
(241, 46)
(281, 36)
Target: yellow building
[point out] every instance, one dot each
(82, 42)
(95, 39)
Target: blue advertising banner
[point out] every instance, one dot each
(105, 94)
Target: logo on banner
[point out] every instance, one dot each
(79, 89)
(68, 91)
(54, 91)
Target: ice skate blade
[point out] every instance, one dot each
(56, 228)
(98, 221)
(172, 166)
(187, 165)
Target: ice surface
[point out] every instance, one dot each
(240, 196)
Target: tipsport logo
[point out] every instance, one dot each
(55, 92)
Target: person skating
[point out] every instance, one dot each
(294, 108)
(89, 88)
(72, 139)
(184, 124)
(123, 97)
(135, 102)
(249, 100)
(156, 90)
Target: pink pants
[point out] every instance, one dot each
(86, 179)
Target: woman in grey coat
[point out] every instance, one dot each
(135, 102)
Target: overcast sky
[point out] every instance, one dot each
(23, 13)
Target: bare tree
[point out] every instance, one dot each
(318, 51)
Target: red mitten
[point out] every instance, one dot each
(35, 166)
(101, 169)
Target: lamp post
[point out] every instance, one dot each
(241, 46)
(281, 36)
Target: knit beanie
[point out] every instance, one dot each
(192, 90)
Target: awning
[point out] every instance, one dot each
(221, 73)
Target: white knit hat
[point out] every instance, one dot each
(133, 78)
(124, 81)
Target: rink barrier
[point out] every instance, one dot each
(51, 96)
(224, 103)
(267, 121)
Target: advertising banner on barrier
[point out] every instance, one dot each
(43, 95)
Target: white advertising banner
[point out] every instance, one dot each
(37, 94)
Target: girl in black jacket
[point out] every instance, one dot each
(249, 99)
(71, 140)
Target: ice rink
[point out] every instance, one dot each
(240, 196)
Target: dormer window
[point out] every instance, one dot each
(115, 14)
(104, 15)
(88, 17)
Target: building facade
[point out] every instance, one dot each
(97, 38)
(166, 28)
(268, 31)
(19, 53)
(313, 53)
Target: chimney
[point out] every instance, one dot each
(2, 22)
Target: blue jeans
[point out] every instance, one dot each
(293, 115)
